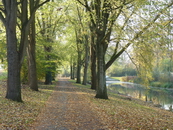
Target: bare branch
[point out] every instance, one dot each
(81, 3)
(43, 3)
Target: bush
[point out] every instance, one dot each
(156, 84)
(118, 72)
(167, 85)
(128, 78)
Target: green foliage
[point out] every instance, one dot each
(166, 65)
(122, 68)
(162, 84)
(3, 75)
(24, 72)
(3, 48)
(52, 64)
(128, 78)
(155, 84)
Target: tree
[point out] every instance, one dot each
(32, 72)
(82, 40)
(93, 59)
(10, 22)
(107, 15)
(15, 53)
(79, 44)
(49, 23)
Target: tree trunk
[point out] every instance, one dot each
(93, 65)
(74, 69)
(13, 57)
(13, 81)
(71, 68)
(101, 80)
(48, 78)
(48, 75)
(32, 71)
(71, 71)
(86, 61)
(53, 70)
(79, 69)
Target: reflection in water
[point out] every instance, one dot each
(162, 97)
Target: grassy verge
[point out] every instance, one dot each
(16, 115)
(117, 78)
(120, 113)
(161, 84)
(3, 75)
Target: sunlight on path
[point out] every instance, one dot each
(67, 109)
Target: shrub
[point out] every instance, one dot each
(155, 84)
(167, 85)
(128, 78)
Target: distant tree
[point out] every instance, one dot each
(48, 21)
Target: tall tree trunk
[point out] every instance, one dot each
(32, 71)
(71, 71)
(71, 67)
(101, 80)
(86, 61)
(48, 78)
(74, 69)
(48, 75)
(13, 57)
(93, 64)
(79, 68)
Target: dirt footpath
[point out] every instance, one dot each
(68, 109)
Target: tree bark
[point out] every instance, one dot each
(79, 69)
(71, 68)
(101, 80)
(86, 61)
(93, 64)
(48, 75)
(13, 57)
(74, 69)
(32, 71)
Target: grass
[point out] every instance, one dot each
(3, 75)
(120, 113)
(15, 115)
(117, 78)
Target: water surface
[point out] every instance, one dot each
(161, 97)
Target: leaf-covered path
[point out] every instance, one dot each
(68, 109)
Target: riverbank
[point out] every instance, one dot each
(154, 84)
(122, 112)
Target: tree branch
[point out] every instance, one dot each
(115, 56)
(89, 10)
(81, 3)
